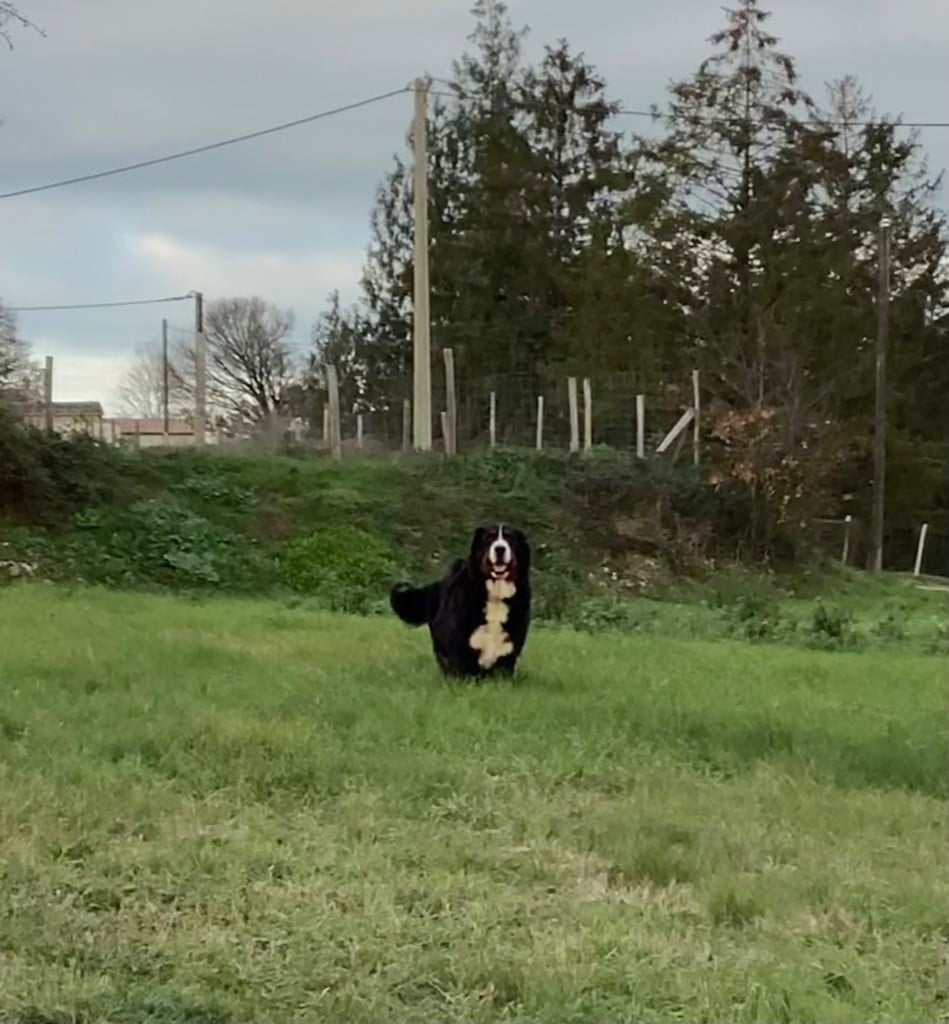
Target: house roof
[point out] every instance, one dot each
(77, 408)
(151, 425)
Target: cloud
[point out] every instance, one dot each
(87, 378)
(278, 277)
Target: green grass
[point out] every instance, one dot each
(234, 810)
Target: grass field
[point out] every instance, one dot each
(234, 810)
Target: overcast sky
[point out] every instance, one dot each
(286, 216)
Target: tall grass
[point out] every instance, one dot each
(238, 810)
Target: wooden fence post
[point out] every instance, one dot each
(443, 419)
(493, 421)
(326, 426)
(406, 424)
(359, 430)
(640, 426)
(451, 412)
(540, 422)
(574, 414)
(48, 394)
(919, 549)
(587, 415)
(332, 387)
(846, 551)
(695, 422)
(677, 432)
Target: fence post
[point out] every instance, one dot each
(406, 424)
(359, 430)
(574, 414)
(451, 412)
(587, 415)
(848, 519)
(332, 387)
(326, 425)
(443, 419)
(919, 549)
(640, 426)
(48, 394)
(695, 422)
(540, 422)
(493, 421)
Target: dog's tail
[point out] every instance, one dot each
(414, 605)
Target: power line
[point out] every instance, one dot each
(657, 115)
(101, 305)
(208, 147)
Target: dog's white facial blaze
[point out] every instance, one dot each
(500, 555)
(491, 639)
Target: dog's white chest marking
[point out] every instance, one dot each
(491, 639)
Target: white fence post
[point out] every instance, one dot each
(493, 421)
(640, 426)
(587, 415)
(574, 414)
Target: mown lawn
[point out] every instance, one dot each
(236, 810)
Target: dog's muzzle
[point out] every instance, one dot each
(500, 559)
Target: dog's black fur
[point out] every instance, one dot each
(456, 606)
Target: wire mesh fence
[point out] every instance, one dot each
(522, 411)
(848, 541)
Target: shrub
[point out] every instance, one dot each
(832, 628)
(344, 567)
(45, 478)
(159, 540)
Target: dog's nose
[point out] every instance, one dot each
(497, 552)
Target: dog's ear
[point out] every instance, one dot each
(477, 542)
(522, 550)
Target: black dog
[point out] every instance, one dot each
(479, 613)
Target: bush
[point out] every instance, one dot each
(344, 567)
(159, 540)
(45, 478)
(832, 628)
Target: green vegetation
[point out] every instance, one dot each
(232, 809)
(617, 545)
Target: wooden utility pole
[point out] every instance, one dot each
(48, 394)
(879, 415)
(164, 376)
(421, 350)
(200, 370)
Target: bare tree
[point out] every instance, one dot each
(10, 16)
(141, 392)
(249, 358)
